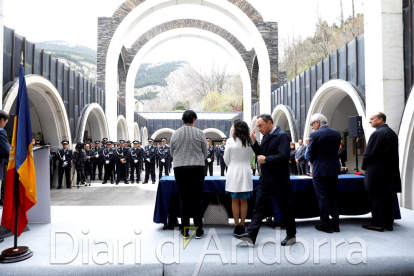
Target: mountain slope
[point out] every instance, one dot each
(155, 74)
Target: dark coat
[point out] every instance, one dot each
(68, 156)
(210, 155)
(342, 156)
(4, 150)
(323, 152)
(136, 154)
(150, 153)
(274, 179)
(381, 162)
(292, 155)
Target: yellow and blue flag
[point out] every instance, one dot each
(21, 164)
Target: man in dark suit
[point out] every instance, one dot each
(300, 158)
(382, 174)
(323, 156)
(64, 157)
(210, 158)
(121, 161)
(108, 157)
(4, 150)
(150, 152)
(274, 181)
(163, 154)
(136, 161)
(223, 166)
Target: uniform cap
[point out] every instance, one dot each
(47, 145)
(97, 142)
(224, 139)
(135, 142)
(65, 142)
(104, 139)
(150, 140)
(109, 143)
(208, 139)
(121, 141)
(163, 139)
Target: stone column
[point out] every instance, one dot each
(1, 48)
(384, 61)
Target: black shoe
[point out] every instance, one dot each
(153, 182)
(238, 230)
(389, 228)
(70, 187)
(112, 182)
(246, 237)
(1, 239)
(288, 241)
(59, 187)
(104, 182)
(128, 182)
(199, 234)
(323, 228)
(373, 228)
(184, 235)
(146, 182)
(336, 229)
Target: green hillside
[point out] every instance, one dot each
(155, 74)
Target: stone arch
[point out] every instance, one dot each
(93, 118)
(157, 135)
(137, 132)
(219, 134)
(254, 73)
(283, 116)
(122, 128)
(119, 27)
(144, 132)
(179, 33)
(47, 105)
(327, 99)
(406, 154)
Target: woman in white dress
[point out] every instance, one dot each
(239, 183)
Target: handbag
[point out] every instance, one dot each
(216, 214)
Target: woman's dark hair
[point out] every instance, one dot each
(241, 131)
(189, 116)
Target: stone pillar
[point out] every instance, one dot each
(384, 61)
(1, 48)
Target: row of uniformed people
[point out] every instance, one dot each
(122, 160)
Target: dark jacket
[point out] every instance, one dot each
(135, 154)
(292, 155)
(79, 158)
(300, 155)
(4, 150)
(381, 162)
(68, 156)
(211, 150)
(274, 179)
(222, 148)
(109, 155)
(342, 156)
(52, 162)
(150, 153)
(323, 152)
(122, 153)
(163, 152)
(98, 150)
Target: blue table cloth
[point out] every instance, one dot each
(349, 185)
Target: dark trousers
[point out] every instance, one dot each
(325, 189)
(80, 175)
(66, 171)
(292, 168)
(382, 208)
(89, 171)
(218, 160)
(149, 169)
(2, 191)
(262, 204)
(135, 168)
(190, 182)
(109, 172)
(163, 166)
(208, 168)
(121, 171)
(100, 167)
(223, 168)
(301, 168)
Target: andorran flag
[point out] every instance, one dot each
(21, 169)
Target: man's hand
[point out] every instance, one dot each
(148, 160)
(261, 159)
(310, 165)
(297, 161)
(253, 135)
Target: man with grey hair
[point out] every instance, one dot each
(323, 156)
(382, 173)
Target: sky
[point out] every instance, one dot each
(76, 21)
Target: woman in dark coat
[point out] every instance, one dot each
(292, 163)
(342, 154)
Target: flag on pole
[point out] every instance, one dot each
(21, 167)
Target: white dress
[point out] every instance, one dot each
(239, 174)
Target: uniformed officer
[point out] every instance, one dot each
(150, 152)
(104, 141)
(64, 157)
(164, 157)
(157, 159)
(223, 166)
(79, 159)
(52, 163)
(128, 146)
(135, 155)
(90, 161)
(122, 157)
(217, 152)
(209, 161)
(97, 160)
(109, 162)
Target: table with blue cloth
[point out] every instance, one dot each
(352, 198)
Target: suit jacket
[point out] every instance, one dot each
(135, 154)
(210, 150)
(274, 180)
(109, 155)
(222, 148)
(150, 153)
(122, 153)
(163, 152)
(381, 162)
(300, 154)
(4, 150)
(323, 152)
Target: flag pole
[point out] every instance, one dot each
(16, 253)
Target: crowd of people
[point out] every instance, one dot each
(323, 152)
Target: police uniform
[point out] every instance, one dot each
(109, 163)
(223, 166)
(97, 161)
(150, 152)
(121, 154)
(164, 158)
(52, 164)
(209, 161)
(128, 147)
(89, 164)
(135, 157)
(64, 156)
